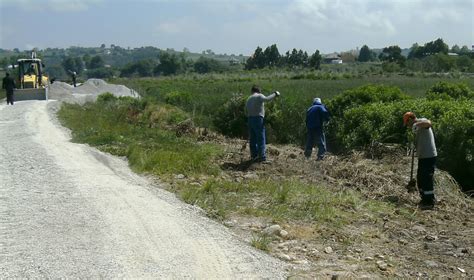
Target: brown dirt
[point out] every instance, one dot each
(429, 244)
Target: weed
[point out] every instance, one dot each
(261, 241)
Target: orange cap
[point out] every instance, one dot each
(407, 116)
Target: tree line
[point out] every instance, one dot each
(434, 56)
(103, 62)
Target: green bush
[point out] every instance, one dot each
(449, 91)
(285, 120)
(455, 139)
(230, 119)
(364, 95)
(343, 131)
(178, 98)
(453, 125)
(106, 97)
(162, 115)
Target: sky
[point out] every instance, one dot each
(235, 26)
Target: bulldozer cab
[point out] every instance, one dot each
(32, 84)
(30, 73)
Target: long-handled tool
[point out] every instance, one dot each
(411, 186)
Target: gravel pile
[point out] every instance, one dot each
(87, 92)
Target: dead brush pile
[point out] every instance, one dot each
(382, 172)
(386, 178)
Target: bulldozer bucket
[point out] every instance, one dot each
(31, 94)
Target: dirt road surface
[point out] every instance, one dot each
(69, 211)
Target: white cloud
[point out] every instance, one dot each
(180, 27)
(169, 28)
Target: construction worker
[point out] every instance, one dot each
(316, 116)
(426, 152)
(255, 110)
(9, 85)
(74, 75)
(31, 70)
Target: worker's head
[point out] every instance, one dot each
(7, 74)
(255, 89)
(317, 100)
(408, 118)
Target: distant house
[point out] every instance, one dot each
(452, 54)
(332, 58)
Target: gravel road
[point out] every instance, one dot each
(70, 211)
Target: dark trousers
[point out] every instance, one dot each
(315, 135)
(257, 137)
(424, 176)
(10, 98)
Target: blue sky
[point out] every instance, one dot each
(235, 27)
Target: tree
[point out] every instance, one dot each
(434, 47)
(206, 65)
(87, 60)
(464, 50)
(464, 63)
(392, 54)
(272, 55)
(79, 65)
(430, 48)
(315, 60)
(416, 51)
(170, 64)
(72, 64)
(365, 54)
(96, 62)
(455, 49)
(145, 68)
(257, 60)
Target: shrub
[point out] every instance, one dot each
(364, 95)
(106, 98)
(230, 119)
(178, 98)
(453, 125)
(449, 91)
(161, 115)
(455, 139)
(285, 120)
(341, 129)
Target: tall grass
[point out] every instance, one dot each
(110, 127)
(281, 201)
(298, 88)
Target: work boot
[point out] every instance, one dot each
(426, 204)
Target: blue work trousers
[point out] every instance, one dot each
(315, 135)
(257, 137)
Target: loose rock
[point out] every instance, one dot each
(272, 230)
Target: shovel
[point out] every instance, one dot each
(411, 186)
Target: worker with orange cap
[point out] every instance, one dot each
(426, 153)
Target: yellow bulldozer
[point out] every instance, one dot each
(32, 83)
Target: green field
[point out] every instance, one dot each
(202, 95)
(217, 102)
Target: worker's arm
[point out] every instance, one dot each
(271, 96)
(423, 123)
